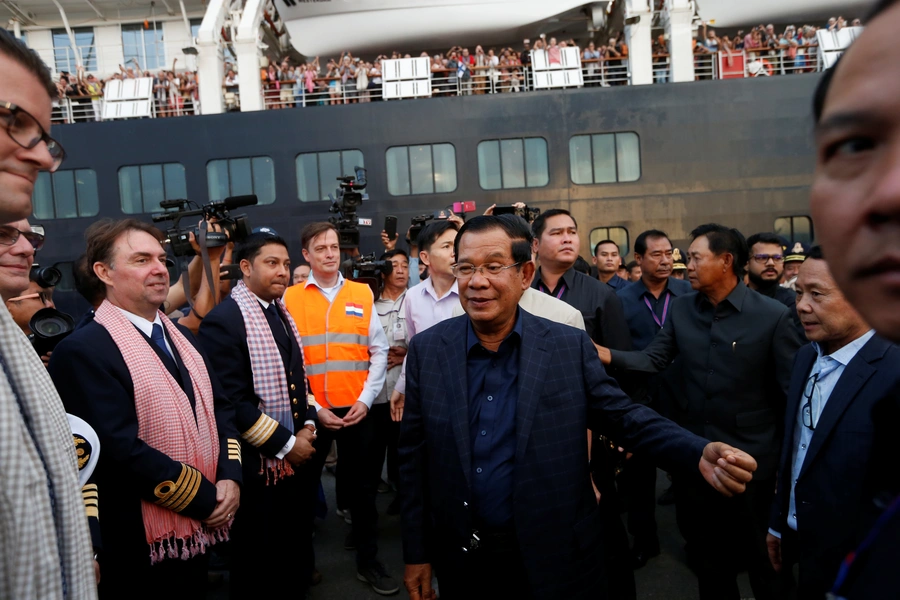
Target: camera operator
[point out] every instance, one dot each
(389, 307)
(23, 307)
(203, 296)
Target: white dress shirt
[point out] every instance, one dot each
(378, 345)
(146, 327)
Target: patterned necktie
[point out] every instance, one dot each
(160, 340)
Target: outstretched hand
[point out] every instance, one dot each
(727, 469)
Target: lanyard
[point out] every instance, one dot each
(665, 310)
(562, 290)
(876, 530)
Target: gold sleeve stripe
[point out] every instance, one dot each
(92, 511)
(88, 487)
(234, 450)
(261, 431)
(176, 496)
(86, 494)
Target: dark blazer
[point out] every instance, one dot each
(563, 391)
(224, 336)
(94, 384)
(832, 506)
(734, 363)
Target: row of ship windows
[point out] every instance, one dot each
(424, 169)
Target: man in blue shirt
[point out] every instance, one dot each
(646, 306)
(608, 262)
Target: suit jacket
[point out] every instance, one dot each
(224, 336)
(563, 391)
(833, 508)
(94, 384)
(734, 363)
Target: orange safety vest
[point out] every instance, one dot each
(335, 339)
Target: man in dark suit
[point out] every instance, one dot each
(837, 380)
(176, 506)
(273, 529)
(736, 348)
(494, 469)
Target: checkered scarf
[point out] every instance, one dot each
(269, 382)
(45, 546)
(167, 423)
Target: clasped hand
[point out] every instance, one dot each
(727, 469)
(356, 414)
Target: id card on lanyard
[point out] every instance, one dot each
(659, 321)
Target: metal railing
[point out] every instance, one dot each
(84, 109)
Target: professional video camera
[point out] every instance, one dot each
(48, 328)
(237, 227)
(418, 223)
(348, 201)
(529, 214)
(369, 271)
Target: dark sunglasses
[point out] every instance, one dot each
(25, 130)
(9, 235)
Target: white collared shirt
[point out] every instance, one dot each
(146, 327)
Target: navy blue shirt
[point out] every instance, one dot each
(641, 324)
(617, 283)
(493, 394)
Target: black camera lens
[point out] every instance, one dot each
(49, 327)
(46, 277)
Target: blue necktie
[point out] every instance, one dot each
(160, 340)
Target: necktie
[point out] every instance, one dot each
(160, 340)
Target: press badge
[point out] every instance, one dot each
(399, 332)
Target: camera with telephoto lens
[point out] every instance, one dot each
(349, 199)
(418, 223)
(46, 277)
(369, 271)
(48, 328)
(236, 228)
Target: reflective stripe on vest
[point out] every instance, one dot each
(335, 340)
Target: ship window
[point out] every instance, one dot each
(795, 229)
(426, 169)
(605, 158)
(142, 188)
(617, 234)
(516, 163)
(145, 45)
(64, 56)
(66, 194)
(317, 172)
(240, 176)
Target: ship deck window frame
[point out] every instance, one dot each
(524, 162)
(409, 169)
(228, 165)
(63, 60)
(159, 46)
(807, 238)
(323, 191)
(166, 195)
(623, 249)
(617, 157)
(56, 189)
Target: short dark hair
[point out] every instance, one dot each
(29, 59)
(540, 224)
(815, 253)
(764, 238)
(640, 243)
(395, 252)
(582, 266)
(601, 242)
(825, 81)
(313, 230)
(250, 248)
(724, 239)
(515, 227)
(431, 232)
(86, 282)
(630, 266)
(101, 238)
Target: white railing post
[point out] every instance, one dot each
(678, 27)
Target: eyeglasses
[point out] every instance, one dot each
(764, 258)
(811, 394)
(46, 297)
(466, 271)
(9, 235)
(25, 130)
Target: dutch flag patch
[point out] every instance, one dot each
(354, 310)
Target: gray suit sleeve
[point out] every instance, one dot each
(655, 357)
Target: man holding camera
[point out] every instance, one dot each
(255, 349)
(345, 352)
(38, 295)
(171, 464)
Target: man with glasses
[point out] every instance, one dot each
(765, 269)
(493, 460)
(828, 433)
(46, 548)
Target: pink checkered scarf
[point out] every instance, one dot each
(269, 381)
(167, 423)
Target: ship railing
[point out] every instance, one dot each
(705, 66)
(76, 109)
(762, 62)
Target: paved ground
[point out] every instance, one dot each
(665, 577)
